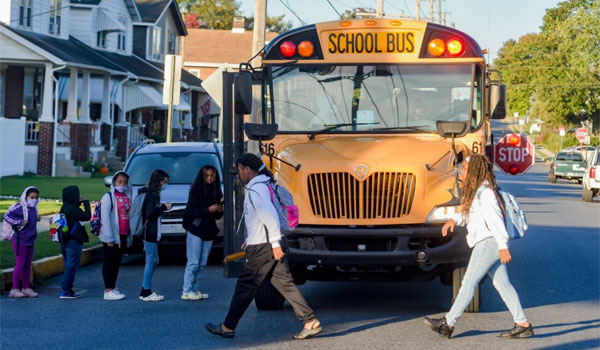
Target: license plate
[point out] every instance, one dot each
(172, 228)
(347, 43)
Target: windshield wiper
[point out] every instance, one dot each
(414, 128)
(335, 126)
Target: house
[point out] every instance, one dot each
(207, 50)
(87, 75)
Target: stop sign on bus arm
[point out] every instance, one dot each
(514, 154)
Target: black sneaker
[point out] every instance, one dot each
(439, 326)
(518, 332)
(217, 330)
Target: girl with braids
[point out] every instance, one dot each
(483, 214)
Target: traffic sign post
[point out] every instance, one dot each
(171, 88)
(514, 154)
(561, 132)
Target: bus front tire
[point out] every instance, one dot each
(268, 298)
(457, 276)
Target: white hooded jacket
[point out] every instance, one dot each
(109, 215)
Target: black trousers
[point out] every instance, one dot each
(112, 262)
(261, 264)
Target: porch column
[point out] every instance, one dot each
(175, 122)
(187, 123)
(105, 113)
(85, 98)
(72, 103)
(138, 117)
(47, 113)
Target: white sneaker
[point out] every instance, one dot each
(190, 296)
(201, 295)
(113, 295)
(153, 297)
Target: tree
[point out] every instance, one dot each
(275, 24)
(212, 14)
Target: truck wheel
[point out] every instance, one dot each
(587, 194)
(552, 178)
(457, 277)
(268, 298)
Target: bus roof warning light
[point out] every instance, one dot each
(436, 47)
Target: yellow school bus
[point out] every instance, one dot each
(369, 120)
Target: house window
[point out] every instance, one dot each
(54, 26)
(25, 12)
(172, 44)
(101, 39)
(156, 43)
(121, 36)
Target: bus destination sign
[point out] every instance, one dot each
(371, 42)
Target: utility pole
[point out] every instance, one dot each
(258, 42)
(418, 17)
(431, 11)
(440, 11)
(379, 9)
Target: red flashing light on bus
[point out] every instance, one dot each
(455, 47)
(514, 139)
(514, 169)
(287, 49)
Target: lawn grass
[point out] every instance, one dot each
(51, 187)
(44, 207)
(43, 248)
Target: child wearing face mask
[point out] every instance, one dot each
(115, 235)
(24, 218)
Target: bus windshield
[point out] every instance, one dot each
(372, 98)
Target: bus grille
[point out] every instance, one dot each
(383, 195)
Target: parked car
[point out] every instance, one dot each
(591, 178)
(586, 151)
(567, 165)
(182, 161)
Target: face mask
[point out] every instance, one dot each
(121, 188)
(164, 187)
(32, 202)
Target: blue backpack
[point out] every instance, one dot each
(96, 220)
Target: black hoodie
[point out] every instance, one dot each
(74, 214)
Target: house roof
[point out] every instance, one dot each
(150, 10)
(219, 46)
(72, 51)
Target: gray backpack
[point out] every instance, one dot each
(136, 215)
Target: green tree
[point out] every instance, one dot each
(212, 14)
(276, 24)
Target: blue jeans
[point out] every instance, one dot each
(71, 252)
(151, 249)
(197, 252)
(485, 258)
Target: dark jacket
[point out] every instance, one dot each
(74, 214)
(152, 210)
(197, 208)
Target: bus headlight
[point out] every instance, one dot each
(441, 214)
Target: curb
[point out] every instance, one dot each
(51, 266)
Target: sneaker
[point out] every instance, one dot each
(30, 293)
(190, 296)
(15, 293)
(68, 294)
(201, 295)
(153, 297)
(113, 295)
(439, 326)
(518, 332)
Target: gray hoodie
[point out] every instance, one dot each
(109, 215)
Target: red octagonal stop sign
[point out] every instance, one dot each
(514, 154)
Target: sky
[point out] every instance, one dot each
(489, 22)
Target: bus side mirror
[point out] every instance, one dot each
(498, 101)
(452, 129)
(260, 132)
(242, 83)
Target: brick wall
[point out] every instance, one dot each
(121, 135)
(81, 139)
(45, 143)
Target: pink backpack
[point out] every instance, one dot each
(284, 205)
(7, 228)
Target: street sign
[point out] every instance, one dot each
(581, 133)
(172, 82)
(561, 131)
(586, 140)
(514, 154)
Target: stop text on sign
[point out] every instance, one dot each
(513, 154)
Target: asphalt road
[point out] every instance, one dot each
(555, 269)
